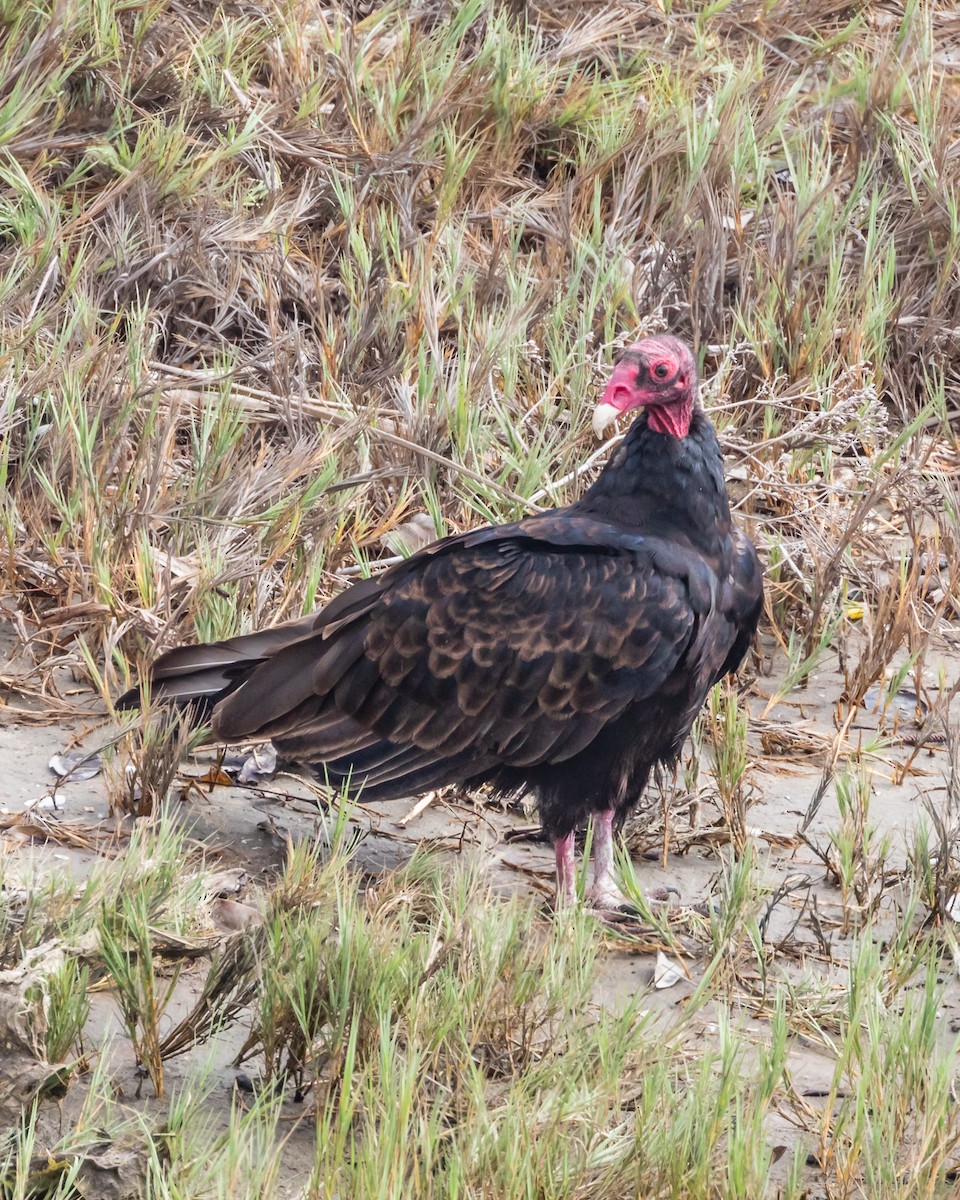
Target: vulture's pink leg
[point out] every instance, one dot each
(566, 870)
(604, 893)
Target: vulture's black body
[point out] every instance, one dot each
(567, 653)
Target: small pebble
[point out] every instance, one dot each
(42, 804)
(232, 915)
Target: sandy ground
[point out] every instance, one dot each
(249, 828)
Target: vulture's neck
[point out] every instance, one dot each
(665, 486)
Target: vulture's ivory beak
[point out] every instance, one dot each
(603, 416)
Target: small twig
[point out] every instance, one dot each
(423, 803)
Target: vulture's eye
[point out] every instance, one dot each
(660, 370)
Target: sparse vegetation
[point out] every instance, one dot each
(277, 278)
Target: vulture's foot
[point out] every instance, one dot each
(611, 906)
(605, 897)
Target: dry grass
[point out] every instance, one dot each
(275, 278)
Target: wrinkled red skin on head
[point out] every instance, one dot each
(674, 420)
(669, 402)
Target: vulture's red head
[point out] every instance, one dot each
(657, 373)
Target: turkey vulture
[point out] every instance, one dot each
(566, 654)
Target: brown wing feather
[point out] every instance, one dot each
(513, 646)
(511, 650)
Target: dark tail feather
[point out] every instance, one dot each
(198, 677)
(295, 674)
